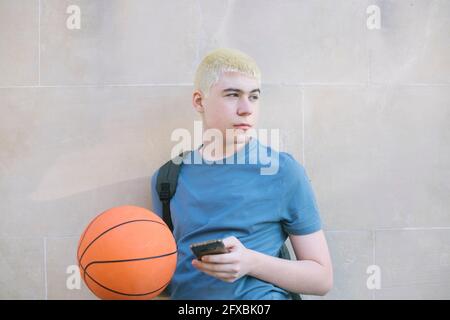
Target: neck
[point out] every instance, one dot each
(212, 150)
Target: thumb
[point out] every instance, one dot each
(231, 242)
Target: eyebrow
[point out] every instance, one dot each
(239, 90)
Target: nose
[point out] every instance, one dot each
(245, 108)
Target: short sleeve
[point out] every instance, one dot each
(156, 203)
(300, 213)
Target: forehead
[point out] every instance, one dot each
(235, 80)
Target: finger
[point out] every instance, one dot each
(220, 275)
(221, 258)
(215, 267)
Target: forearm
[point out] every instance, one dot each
(304, 276)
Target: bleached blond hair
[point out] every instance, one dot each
(224, 60)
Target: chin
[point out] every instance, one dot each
(242, 138)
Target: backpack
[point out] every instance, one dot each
(166, 185)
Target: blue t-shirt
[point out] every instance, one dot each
(216, 199)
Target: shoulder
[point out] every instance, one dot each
(290, 168)
(289, 162)
(287, 167)
(292, 171)
(285, 158)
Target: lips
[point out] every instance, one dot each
(242, 126)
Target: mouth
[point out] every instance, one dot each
(242, 126)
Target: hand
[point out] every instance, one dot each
(227, 267)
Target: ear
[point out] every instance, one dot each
(198, 100)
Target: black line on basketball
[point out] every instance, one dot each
(122, 293)
(129, 260)
(87, 228)
(116, 226)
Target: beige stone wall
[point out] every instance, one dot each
(86, 117)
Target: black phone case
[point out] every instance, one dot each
(208, 247)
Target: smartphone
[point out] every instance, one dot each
(208, 247)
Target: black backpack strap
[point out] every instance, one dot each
(166, 184)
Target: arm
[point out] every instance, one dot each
(310, 274)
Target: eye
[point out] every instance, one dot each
(232, 95)
(254, 97)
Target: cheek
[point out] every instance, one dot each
(256, 114)
(221, 116)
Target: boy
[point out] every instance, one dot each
(253, 213)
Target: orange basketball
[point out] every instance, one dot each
(127, 252)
